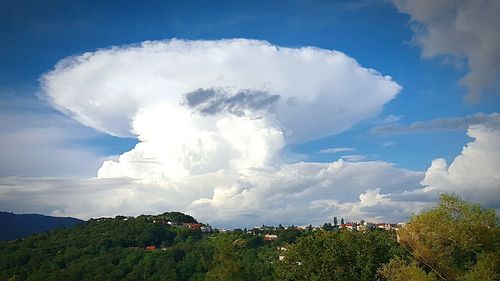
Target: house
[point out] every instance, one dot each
(193, 226)
(206, 229)
(150, 248)
(270, 237)
(171, 223)
(349, 226)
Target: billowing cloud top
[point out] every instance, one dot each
(325, 89)
(203, 106)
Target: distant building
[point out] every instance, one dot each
(387, 226)
(193, 226)
(206, 229)
(349, 226)
(270, 237)
(150, 248)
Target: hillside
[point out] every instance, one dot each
(171, 246)
(14, 226)
(456, 240)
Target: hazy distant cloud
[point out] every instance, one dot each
(389, 119)
(354, 157)
(213, 101)
(34, 141)
(336, 150)
(390, 143)
(438, 124)
(467, 30)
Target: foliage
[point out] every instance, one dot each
(456, 240)
(342, 255)
(114, 249)
(399, 270)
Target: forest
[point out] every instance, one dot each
(456, 240)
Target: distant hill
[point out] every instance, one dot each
(14, 226)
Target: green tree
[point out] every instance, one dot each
(342, 255)
(456, 240)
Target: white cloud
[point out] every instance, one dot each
(203, 106)
(299, 193)
(354, 157)
(287, 194)
(464, 29)
(475, 173)
(336, 150)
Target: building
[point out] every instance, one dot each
(206, 229)
(349, 226)
(150, 248)
(270, 237)
(193, 226)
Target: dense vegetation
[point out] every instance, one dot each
(455, 241)
(13, 226)
(462, 246)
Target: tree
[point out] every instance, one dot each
(335, 221)
(342, 221)
(341, 255)
(456, 240)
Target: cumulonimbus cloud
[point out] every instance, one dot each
(202, 106)
(211, 118)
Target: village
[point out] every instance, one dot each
(268, 233)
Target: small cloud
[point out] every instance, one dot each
(354, 157)
(390, 143)
(336, 150)
(390, 119)
(438, 124)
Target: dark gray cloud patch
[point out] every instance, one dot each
(212, 101)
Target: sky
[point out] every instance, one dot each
(245, 113)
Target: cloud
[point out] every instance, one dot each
(474, 173)
(467, 30)
(203, 106)
(390, 143)
(213, 101)
(37, 142)
(212, 119)
(286, 194)
(299, 193)
(438, 124)
(354, 157)
(336, 150)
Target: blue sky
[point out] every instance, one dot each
(380, 35)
